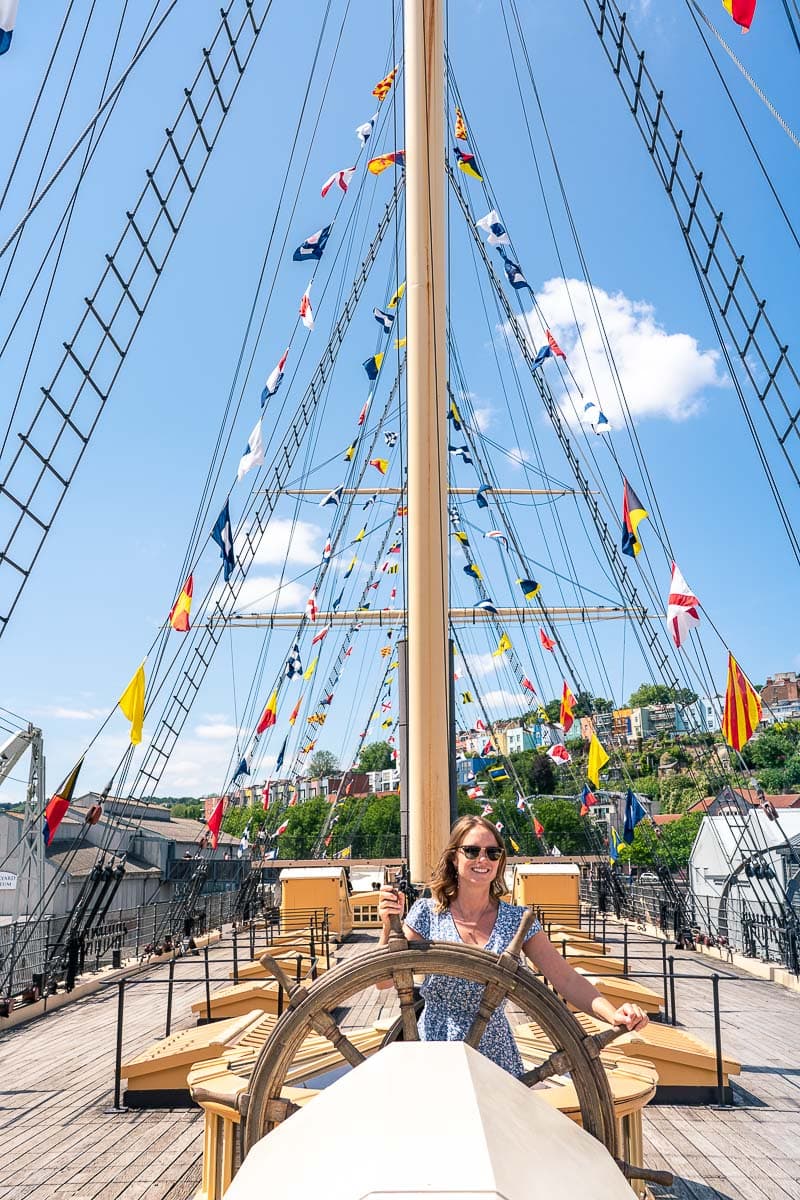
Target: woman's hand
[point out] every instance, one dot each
(631, 1016)
(392, 903)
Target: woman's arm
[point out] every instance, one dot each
(576, 988)
(392, 903)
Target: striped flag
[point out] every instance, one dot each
(567, 714)
(179, 613)
(742, 12)
(460, 128)
(742, 707)
(269, 715)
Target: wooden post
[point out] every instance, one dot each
(428, 726)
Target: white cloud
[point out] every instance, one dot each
(297, 543)
(59, 713)
(517, 457)
(216, 732)
(259, 594)
(501, 701)
(483, 417)
(663, 374)
(480, 664)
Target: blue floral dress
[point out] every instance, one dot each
(451, 1004)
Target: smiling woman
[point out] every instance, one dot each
(466, 907)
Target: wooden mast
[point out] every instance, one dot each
(428, 728)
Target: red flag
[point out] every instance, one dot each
(281, 829)
(584, 810)
(58, 805)
(479, 724)
(295, 711)
(214, 822)
(328, 839)
(554, 346)
(322, 633)
(349, 788)
(293, 799)
(538, 827)
(265, 802)
(547, 643)
(742, 711)
(742, 12)
(179, 613)
(311, 605)
(526, 683)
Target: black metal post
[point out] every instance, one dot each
(718, 1040)
(673, 1010)
(664, 976)
(208, 984)
(564, 947)
(280, 998)
(252, 939)
(235, 956)
(625, 949)
(604, 933)
(170, 986)
(118, 1055)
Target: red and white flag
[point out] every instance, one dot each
(306, 311)
(322, 633)
(311, 605)
(682, 608)
(559, 754)
(281, 829)
(475, 793)
(266, 796)
(340, 178)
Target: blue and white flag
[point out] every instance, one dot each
(486, 606)
(275, 379)
(244, 844)
(390, 437)
(492, 225)
(281, 753)
(461, 452)
(314, 245)
(293, 664)
(8, 19)
(596, 417)
(222, 534)
(364, 132)
(514, 272)
(386, 320)
(541, 354)
(333, 497)
(253, 454)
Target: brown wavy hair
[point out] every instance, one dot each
(444, 884)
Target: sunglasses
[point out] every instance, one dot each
(473, 852)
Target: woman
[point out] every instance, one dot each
(466, 907)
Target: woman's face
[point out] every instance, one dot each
(476, 872)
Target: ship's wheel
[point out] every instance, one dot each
(503, 976)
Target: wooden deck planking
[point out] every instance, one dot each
(62, 1070)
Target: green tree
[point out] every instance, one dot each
(305, 823)
(193, 811)
(563, 826)
(553, 710)
(323, 763)
(376, 756)
(660, 693)
(237, 819)
(669, 845)
(538, 774)
(678, 792)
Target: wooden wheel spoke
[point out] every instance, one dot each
(557, 1064)
(493, 996)
(404, 986)
(323, 1023)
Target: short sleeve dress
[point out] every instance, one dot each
(451, 1004)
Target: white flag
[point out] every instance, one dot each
(254, 453)
(496, 230)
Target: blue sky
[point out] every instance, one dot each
(110, 568)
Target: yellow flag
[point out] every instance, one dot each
(399, 343)
(398, 296)
(597, 760)
(309, 671)
(503, 645)
(360, 535)
(132, 704)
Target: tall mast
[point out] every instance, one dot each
(428, 671)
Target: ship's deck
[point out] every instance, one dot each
(60, 1137)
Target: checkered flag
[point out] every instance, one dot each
(390, 438)
(293, 664)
